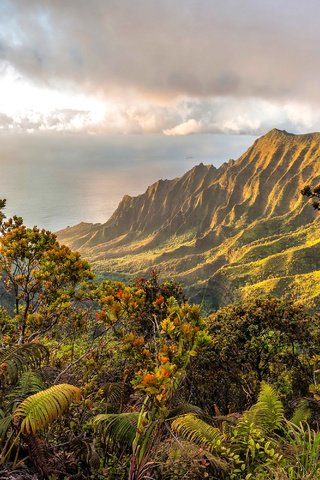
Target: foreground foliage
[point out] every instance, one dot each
(108, 380)
(261, 339)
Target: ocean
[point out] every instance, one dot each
(59, 180)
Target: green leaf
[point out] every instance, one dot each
(42, 408)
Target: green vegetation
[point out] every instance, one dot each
(314, 194)
(101, 379)
(225, 233)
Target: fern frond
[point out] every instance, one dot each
(271, 408)
(301, 414)
(195, 430)
(17, 360)
(198, 432)
(113, 392)
(42, 408)
(265, 416)
(5, 423)
(184, 408)
(28, 384)
(182, 452)
(119, 427)
(247, 426)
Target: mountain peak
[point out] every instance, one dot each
(276, 133)
(263, 182)
(210, 220)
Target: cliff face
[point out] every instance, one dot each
(200, 226)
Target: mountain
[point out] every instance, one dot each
(226, 233)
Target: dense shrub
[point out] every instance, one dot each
(268, 339)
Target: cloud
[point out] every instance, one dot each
(57, 120)
(185, 116)
(168, 48)
(171, 66)
(185, 128)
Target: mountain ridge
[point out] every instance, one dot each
(194, 226)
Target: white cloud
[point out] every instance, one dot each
(176, 118)
(29, 107)
(185, 128)
(20, 98)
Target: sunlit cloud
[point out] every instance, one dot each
(174, 68)
(185, 128)
(28, 106)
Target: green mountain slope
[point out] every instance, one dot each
(226, 233)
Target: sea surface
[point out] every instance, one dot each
(58, 180)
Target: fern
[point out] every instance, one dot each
(195, 430)
(42, 408)
(301, 414)
(198, 432)
(28, 384)
(119, 427)
(17, 360)
(266, 416)
(184, 408)
(5, 423)
(272, 412)
(114, 393)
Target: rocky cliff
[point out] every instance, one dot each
(224, 232)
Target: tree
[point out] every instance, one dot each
(314, 194)
(259, 339)
(43, 277)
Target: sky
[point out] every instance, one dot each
(174, 67)
(204, 71)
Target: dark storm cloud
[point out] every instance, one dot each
(167, 48)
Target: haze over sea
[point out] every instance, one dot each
(58, 180)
